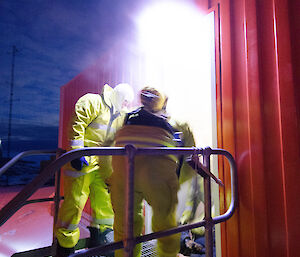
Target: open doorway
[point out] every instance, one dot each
(177, 43)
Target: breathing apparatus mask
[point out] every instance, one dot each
(121, 97)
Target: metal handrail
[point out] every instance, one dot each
(21, 155)
(130, 241)
(10, 163)
(18, 201)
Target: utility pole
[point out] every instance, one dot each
(14, 50)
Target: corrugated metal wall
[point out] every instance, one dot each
(260, 126)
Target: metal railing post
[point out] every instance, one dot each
(57, 196)
(207, 196)
(129, 242)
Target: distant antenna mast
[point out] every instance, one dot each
(14, 50)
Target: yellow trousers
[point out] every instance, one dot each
(76, 193)
(155, 181)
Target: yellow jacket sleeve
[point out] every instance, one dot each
(87, 108)
(186, 171)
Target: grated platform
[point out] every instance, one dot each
(148, 249)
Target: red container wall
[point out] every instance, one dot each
(259, 124)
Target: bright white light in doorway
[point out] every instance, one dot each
(177, 47)
(168, 25)
(177, 42)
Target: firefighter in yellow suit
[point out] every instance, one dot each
(96, 119)
(155, 178)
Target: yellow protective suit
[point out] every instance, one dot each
(94, 124)
(155, 181)
(194, 205)
(186, 171)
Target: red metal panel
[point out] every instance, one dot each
(278, 117)
(288, 127)
(293, 192)
(294, 10)
(265, 127)
(244, 105)
(203, 4)
(253, 138)
(230, 229)
(271, 120)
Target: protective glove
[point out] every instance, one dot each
(77, 164)
(188, 246)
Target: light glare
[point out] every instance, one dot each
(177, 43)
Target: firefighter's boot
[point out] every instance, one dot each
(63, 252)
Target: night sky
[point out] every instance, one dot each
(56, 40)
